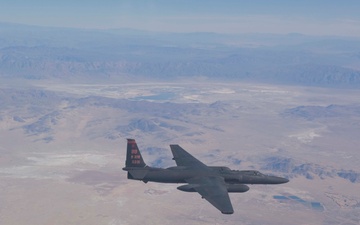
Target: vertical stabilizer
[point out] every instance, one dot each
(133, 155)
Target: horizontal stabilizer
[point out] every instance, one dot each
(137, 174)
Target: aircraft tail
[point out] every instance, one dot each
(133, 155)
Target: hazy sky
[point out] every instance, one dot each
(318, 17)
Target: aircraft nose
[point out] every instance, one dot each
(278, 180)
(283, 180)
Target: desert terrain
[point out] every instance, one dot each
(63, 148)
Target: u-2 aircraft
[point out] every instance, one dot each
(214, 183)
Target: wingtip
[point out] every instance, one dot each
(227, 213)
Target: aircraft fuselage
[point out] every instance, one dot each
(180, 174)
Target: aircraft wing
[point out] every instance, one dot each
(214, 190)
(183, 158)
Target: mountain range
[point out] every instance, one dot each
(33, 52)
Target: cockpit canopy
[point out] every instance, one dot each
(252, 172)
(221, 168)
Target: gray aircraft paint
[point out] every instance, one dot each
(212, 183)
